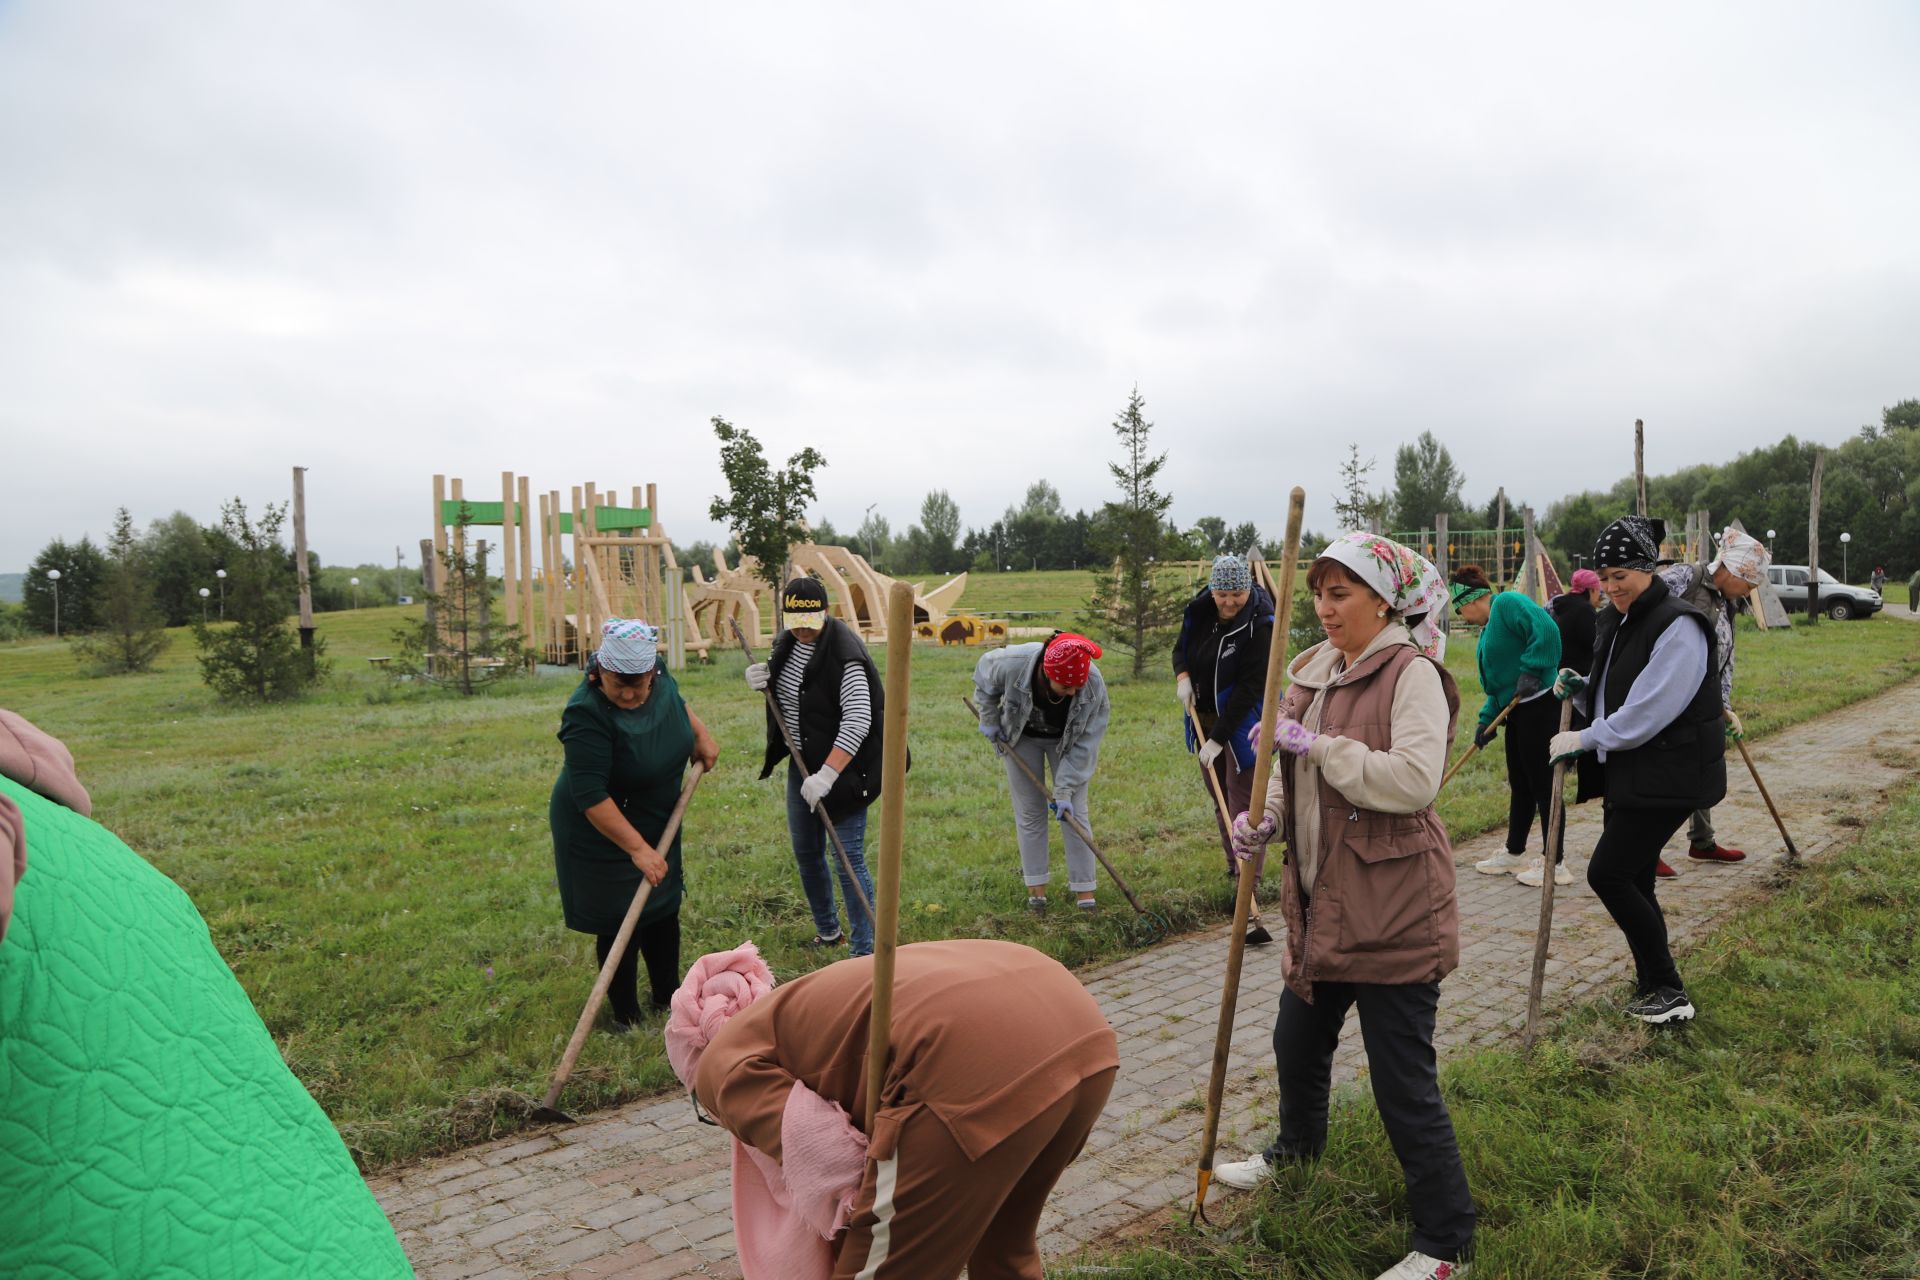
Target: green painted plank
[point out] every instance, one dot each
(612, 519)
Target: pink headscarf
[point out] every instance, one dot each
(718, 986)
(1584, 580)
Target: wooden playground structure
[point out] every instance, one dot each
(575, 564)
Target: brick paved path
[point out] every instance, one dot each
(641, 1193)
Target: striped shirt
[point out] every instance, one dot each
(856, 709)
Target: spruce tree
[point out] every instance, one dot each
(131, 633)
(1131, 608)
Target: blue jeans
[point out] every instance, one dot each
(813, 853)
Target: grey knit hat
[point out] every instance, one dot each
(1230, 573)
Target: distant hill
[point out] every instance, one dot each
(11, 587)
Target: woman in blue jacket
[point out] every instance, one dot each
(1220, 673)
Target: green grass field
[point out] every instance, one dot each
(375, 865)
(1778, 1135)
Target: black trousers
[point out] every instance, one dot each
(1530, 729)
(1621, 874)
(1397, 1025)
(658, 944)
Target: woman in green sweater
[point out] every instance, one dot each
(1519, 656)
(628, 737)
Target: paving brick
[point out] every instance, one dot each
(647, 1187)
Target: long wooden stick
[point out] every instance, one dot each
(600, 984)
(1219, 799)
(793, 754)
(893, 825)
(1257, 803)
(1793, 853)
(1556, 837)
(1469, 753)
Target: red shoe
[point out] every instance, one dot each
(1661, 869)
(1719, 853)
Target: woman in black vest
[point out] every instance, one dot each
(1655, 750)
(829, 694)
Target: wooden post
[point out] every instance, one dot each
(1441, 560)
(656, 556)
(1639, 467)
(545, 642)
(1813, 538)
(1500, 538)
(556, 580)
(509, 552)
(300, 556)
(893, 817)
(457, 546)
(486, 593)
(582, 607)
(1529, 573)
(429, 589)
(439, 520)
(524, 585)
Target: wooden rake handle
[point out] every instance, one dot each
(1556, 836)
(1793, 852)
(1243, 899)
(1472, 750)
(600, 984)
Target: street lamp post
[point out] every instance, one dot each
(204, 593)
(221, 574)
(867, 524)
(53, 576)
(1845, 538)
(356, 591)
(1769, 544)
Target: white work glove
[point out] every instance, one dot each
(1183, 689)
(815, 788)
(1209, 752)
(757, 676)
(1735, 730)
(1568, 684)
(1565, 746)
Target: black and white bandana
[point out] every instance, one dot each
(1631, 542)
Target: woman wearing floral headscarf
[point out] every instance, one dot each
(1367, 892)
(628, 737)
(1715, 588)
(1655, 749)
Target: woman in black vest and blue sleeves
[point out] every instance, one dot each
(828, 692)
(1655, 750)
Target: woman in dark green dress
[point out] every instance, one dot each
(628, 737)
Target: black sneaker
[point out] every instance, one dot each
(816, 942)
(1666, 1004)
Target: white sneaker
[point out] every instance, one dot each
(1532, 875)
(1242, 1175)
(1418, 1266)
(1500, 864)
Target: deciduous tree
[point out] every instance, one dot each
(763, 507)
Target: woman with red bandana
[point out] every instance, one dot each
(1047, 705)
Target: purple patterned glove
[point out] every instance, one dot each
(1292, 736)
(1249, 840)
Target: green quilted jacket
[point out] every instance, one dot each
(151, 1127)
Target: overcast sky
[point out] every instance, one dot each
(388, 239)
